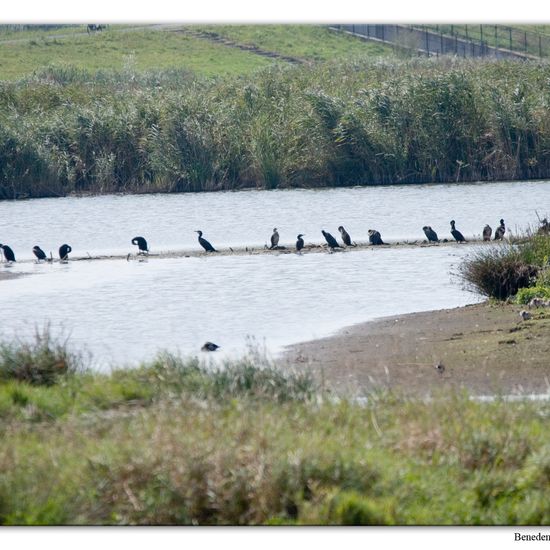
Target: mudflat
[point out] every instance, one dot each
(484, 349)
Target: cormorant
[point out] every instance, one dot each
(345, 236)
(487, 231)
(209, 346)
(204, 243)
(430, 234)
(141, 244)
(299, 242)
(64, 250)
(459, 237)
(8, 253)
(375, 237)
(39, 253)
(501, 229)
(274, 239)
(331, 241)
(544, 227)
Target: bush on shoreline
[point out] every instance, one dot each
(362, 122)
(502, 270)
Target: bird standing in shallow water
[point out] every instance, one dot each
(39, 253)
(459, 237)
(487, 231)
(64, 250)
(209, 346)
(331, 241)
(430, 234)
(501, 229)
(299, 242)
(274, 239)
(204, 243)
(346, 239)
(141, 244)
(375, 237)
(8, 253)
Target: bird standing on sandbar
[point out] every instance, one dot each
(205, 244)
(331, 241)
(274, 239)
(430, 234)
(374, 237)
(64, 250)
(39, 253)
(501, 229)
(459, 237)
(8, 253)
(346, 239)
(487, 232)
(141, 244)
(299, 243)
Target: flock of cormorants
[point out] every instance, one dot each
(374, 238)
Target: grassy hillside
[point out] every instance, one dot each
(118, 47)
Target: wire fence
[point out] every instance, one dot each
(432, 40)
(525, 39)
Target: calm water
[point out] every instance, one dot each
(123, 312)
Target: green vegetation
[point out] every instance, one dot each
(509, 269)
(66, 130)
(308, 42)
(174, 442)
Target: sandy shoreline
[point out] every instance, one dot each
(484, 348)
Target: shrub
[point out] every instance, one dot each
(498, 272)
(525, 295)
(39, 362)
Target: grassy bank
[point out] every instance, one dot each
(66, 130)
(176, 443)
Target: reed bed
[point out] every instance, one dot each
(361, 122)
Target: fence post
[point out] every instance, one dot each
(481, 38)
(466, 30)
(510, 31)
(441, 47)
(496, 39)
(452, 30)
(540, 46)
(456, 45)
(382, 26)
(525, 40)
(368, 31)
(353, 28)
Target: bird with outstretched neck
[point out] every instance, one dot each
(141, 244)
(204, 243)
(299, 242)
(458, 236)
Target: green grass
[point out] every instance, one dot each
(118, 49)
(308, 42)
(176, 442)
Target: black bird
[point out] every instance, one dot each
(375, 237)
(501, 229)
(205, 244)
(459, 237)
(430, 234)
(346, 239)
(141, 244)
(39, 253)
(274, 239)
(209, 346)
(8, 253)
(487, 233)
(64, 250)
(544, 227)
(331, 241)
(299, 242)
